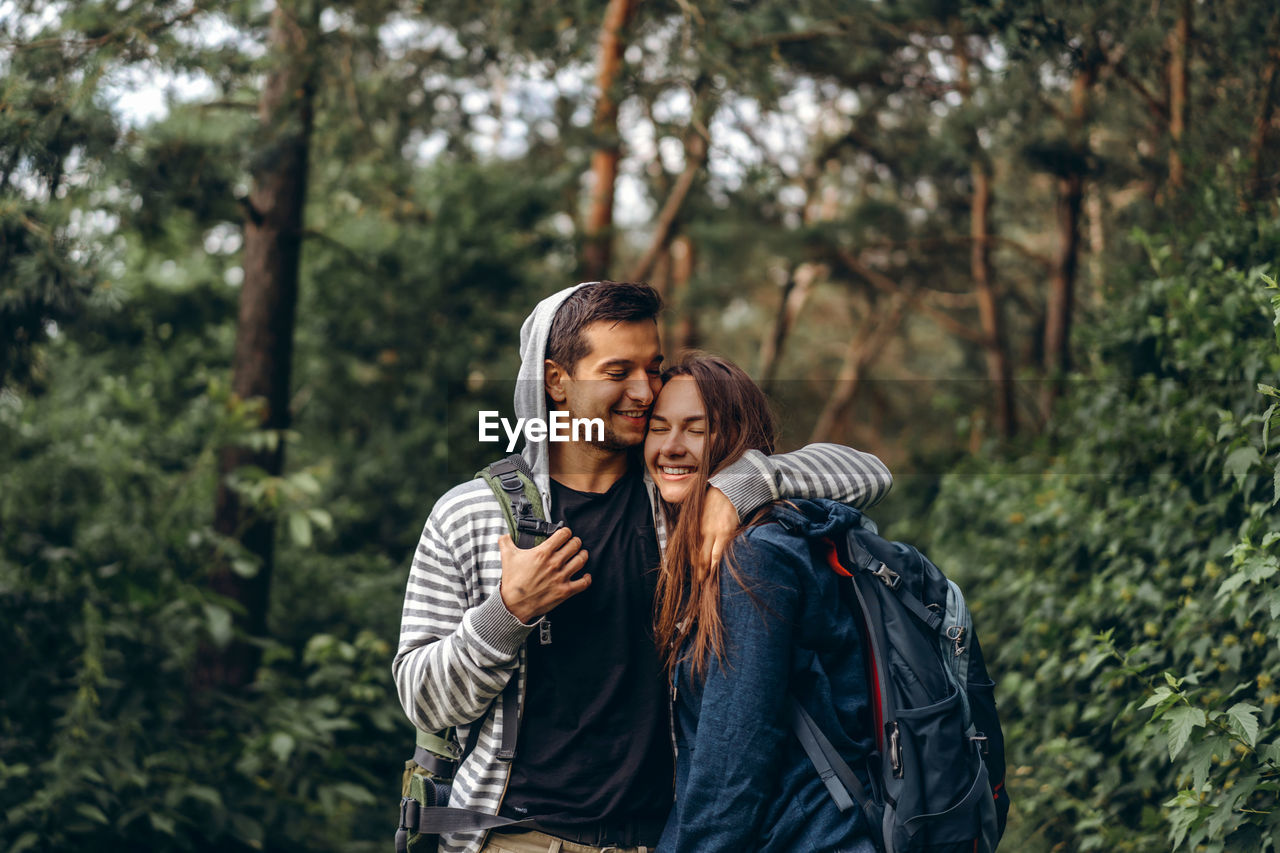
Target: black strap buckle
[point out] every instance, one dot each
(536, 526)
(888, 576)
(409, 813)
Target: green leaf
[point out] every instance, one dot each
(1161, 694)
(1184, 799)
(1181, 821)
(25, 842)
(1232, 583)
(245, 568)
(219, 623)
(357, 794)
(1260, 567)
(321, 518)
(163, 823)
(282, 745)
(300, 529)
(92, 812)
(1181, 722)
(1245, 719)
(1276, 498)
(204, 794)
(306, 483)
(1240, 460)
(1199, 760)
(248, 829)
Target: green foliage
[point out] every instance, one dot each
(105, 538)
(49, 121)
(1124, 570)
(1124, 583)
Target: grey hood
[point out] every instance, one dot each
(530, 396)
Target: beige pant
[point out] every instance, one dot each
(537, 842)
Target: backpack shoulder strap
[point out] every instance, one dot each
(438, 820)
(517, 493)
(436, 753)
(835, 773)
(862, 558)
(513, 485)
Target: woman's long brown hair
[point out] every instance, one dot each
(688, 599)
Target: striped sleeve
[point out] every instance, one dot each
(454, 659)
(830, 471)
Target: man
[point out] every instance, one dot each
(594, 763)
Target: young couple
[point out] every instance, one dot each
(653, 594)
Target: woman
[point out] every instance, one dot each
(744, 637)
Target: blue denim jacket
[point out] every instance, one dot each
(742, 780)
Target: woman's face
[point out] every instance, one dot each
(676, 438)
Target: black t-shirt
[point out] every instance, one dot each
(595, 738)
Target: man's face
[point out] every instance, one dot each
(616, 381)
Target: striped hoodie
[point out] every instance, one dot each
(459, 645)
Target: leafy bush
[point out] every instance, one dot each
(106, 535)
(1122, 574)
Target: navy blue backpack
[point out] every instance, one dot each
(937, 775)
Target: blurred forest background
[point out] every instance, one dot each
(261, 263)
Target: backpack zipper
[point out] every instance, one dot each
(895, 750)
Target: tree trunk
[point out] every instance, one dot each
(998, 371)
(1261, 124)
(685, 335)
(661, 282)
(1095, 208)
(597, 251)
(1058, 311)
(865, 346)
(993, 343)
(794, 294)
(264, 333)
(1179, 53)
(695, 157)
(1057, 331)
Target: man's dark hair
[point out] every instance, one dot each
(615, 301)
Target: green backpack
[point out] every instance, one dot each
(424, 813)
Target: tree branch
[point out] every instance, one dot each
(122, 33)
(696, 146)
(695, 158)
(884, 284)
(865, 346)
(1158, 107)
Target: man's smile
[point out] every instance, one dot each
(637, 415)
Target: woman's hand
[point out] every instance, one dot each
(719, 524)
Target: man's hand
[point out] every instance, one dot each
(719, 523)
(535, 580)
